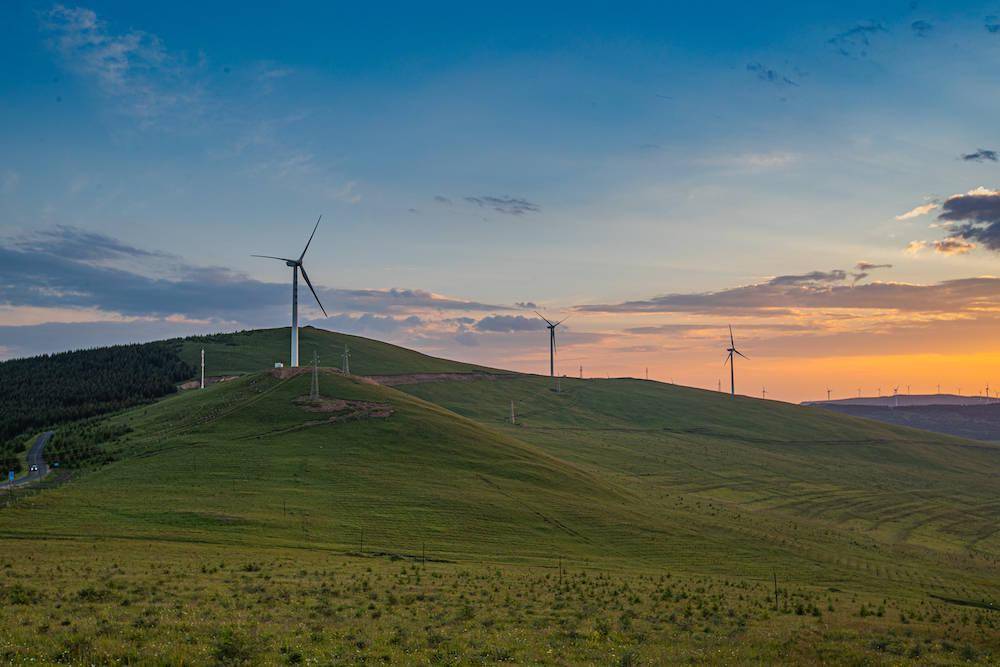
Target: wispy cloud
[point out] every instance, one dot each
(509, 323)
(66, 267)
(133, 67)
(756, 161)
(505, 205)
(790, 295)
(917, 211)
(768, 75)
(856, 42)
(922, 28)
(953, 246)
(981, 155)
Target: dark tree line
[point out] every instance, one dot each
(53, 389)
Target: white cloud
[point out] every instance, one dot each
(348, 192)
(758, 161)
(132, 67)
(923, 209)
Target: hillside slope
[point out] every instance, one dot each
(678, 447)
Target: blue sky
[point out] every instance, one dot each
(563, 155)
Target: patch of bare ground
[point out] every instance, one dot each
(287, 372)
(342, 409)
(417, 378)
(194, 384)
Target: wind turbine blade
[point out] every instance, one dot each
(543, 317)
(283, 259)
(310, 238)
(728, 358)
(306, 276)
(741, 354)
(732, 343)
(562, 320)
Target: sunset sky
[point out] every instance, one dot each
(823, 179)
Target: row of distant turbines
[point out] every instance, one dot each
(297, 266)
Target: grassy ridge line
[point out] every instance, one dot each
(252, 351)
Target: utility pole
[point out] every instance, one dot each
(314, 390)
(203, 368)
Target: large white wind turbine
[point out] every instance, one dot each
(731, 361)
(297, 266)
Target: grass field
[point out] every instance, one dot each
(619, 521)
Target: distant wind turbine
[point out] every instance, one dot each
(296, 265)
(730, 359)
(552, 342)
(828, 390)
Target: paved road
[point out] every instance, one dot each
(34, 459)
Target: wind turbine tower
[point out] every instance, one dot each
(296, 266)
(551, 326)
(346, 365)
(731, 360)
(203, 368)
(828, 393)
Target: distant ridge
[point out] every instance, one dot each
(907, 400)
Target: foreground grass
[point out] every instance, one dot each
(137, 602)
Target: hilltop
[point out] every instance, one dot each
(255, 350)
(254, 495)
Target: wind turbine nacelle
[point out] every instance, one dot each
(291, 263)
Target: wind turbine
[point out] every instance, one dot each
(730, 359)
(552, 342)
(296, 265)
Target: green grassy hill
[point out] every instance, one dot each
(246, 502)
